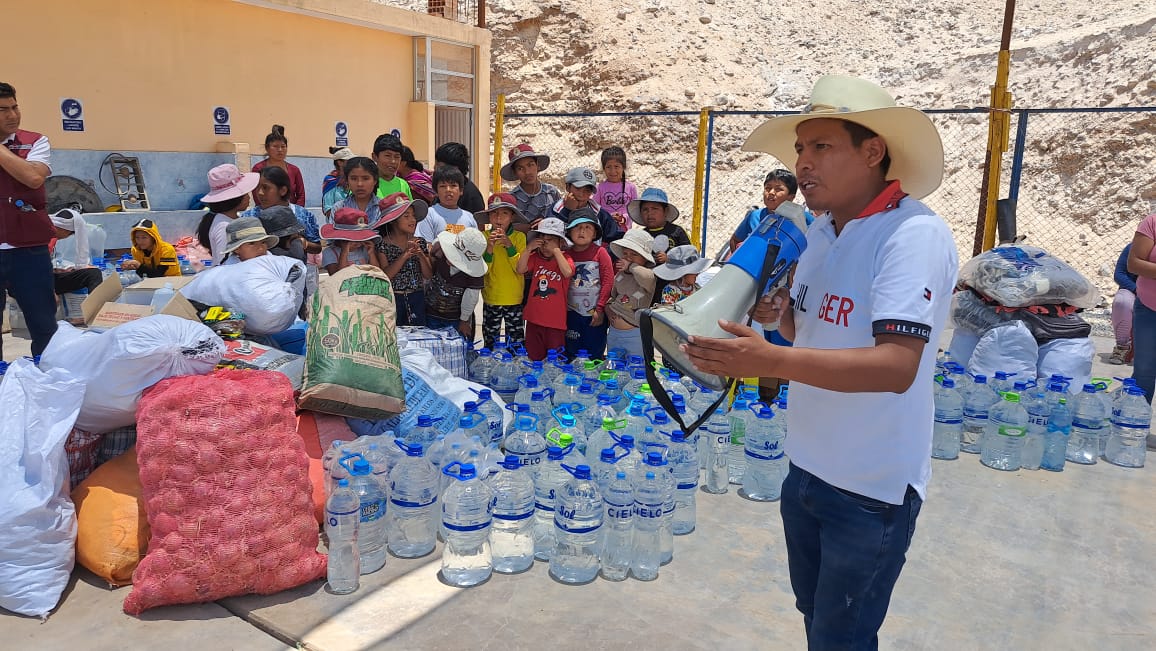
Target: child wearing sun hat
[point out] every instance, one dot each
(549, 268)
(456, 285)
(633, 290)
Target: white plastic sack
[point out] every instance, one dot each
(268, 289)
(37, 517)
(1020, 275)
(1010, 348)
(1068, 357)
(119, 364)
(962, 346)
(65, 254)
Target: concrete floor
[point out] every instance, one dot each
(1020, 560)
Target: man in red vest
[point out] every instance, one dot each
(25, 229)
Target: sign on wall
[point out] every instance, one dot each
(342, 131)
(71, 114)
(221, 125)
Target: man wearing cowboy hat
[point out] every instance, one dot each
(868, 302)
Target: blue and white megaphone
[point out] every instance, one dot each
(760, 266)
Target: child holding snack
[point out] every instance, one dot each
(549, 267)
(504, 286)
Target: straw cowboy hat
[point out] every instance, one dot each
(519, 152)
(912, 139)
(349, 224)
(636, 240)
(244, 230)
(227, 182)
(464, 250)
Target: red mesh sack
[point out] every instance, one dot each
(225, 483)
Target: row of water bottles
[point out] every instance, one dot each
(1024, 426)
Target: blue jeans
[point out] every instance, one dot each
(844, 552)
(1144, 347)
(26, 275)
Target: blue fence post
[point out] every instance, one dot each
(706, 181)
(1018, 157)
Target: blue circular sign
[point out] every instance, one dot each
(70, 108)
(221, 115)
(396, 133)
(342, 129)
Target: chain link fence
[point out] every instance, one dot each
(1081, 178)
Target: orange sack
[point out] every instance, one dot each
(113, 531)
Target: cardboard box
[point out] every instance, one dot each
(102, 311)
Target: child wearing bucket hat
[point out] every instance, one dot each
(281, 223)
(633, 289)
(350, 241)
(457, 281)
(246, 239)
(504, 288)
(549, 268)
(589, 286)
(680, 273)
(654, 212)
(868, 301)
(535, 198)
(228, 195)
(405, 254)
(580, 187)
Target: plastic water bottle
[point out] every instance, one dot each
(1131, 422)
(186, 266)
(592, 419)
(413, 494)
(541, 405)
(648, 500)
(1002, 382)
(603, 470)
(495, 417)
(372, 497)
(1006, 428)
(467, 513)
(586, 399)
(424, 434)
(547, 483)
(718, 440)
(977, 402)
(683, 459)
(578, 519)
(656, 464)
(480, 369)
(512, 535)
(1059, 429)
(333, 470)
(342, 514)
(161, 298)
(1089, 423)
(948, 428)
(633, 386)
(618, 524)
(567, 426)
(527, 386)
(740, 418)
(527, 444)
(504, 376)
(602, 439)
(566, 386)
(1038, 411)
(766, 460)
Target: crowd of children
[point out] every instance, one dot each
(556, 268)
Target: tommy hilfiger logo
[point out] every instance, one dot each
(926, 294)
(898, 327)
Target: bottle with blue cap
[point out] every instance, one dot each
(683, 459)
(480, 368)
(495, 416)
(467, 515)
(527, 385)
(526, 443)
(766, 459)
(547, 483)
(519, 409)
(342, 516)
(656, 463)
(977, 402)
(1089, 423)
(512, 533)
(717, 436)
(372, 497)
(567, 428)
(1003, 382)
(1038, 410)
(578, 523)
(618, 527)
(333, 470)
(603, 438)
(425, 433)
(566, 386)
(541, 406)
(606, 408)
(1131, 422)
(413, 493)
(603, 470)
(947, 432)
(1059, 427)
(649, 497)
(504, 376)
(741, 418)
(479, 423)
(1007, 426)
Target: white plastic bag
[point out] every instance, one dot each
(268, 289)
(119, 364)
(1010, 348)
(1019, 276)
(1068, 357)
(962, 346)
(37, 517)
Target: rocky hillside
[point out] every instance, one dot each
(1087, 178)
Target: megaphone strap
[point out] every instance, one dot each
(646, 327)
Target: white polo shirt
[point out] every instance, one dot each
(39, 152)
(890, 272)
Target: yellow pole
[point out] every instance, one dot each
(699, 178)
(499, 127)
(999, 123)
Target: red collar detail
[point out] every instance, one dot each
(888, 199)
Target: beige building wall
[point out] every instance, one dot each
(149, 73)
